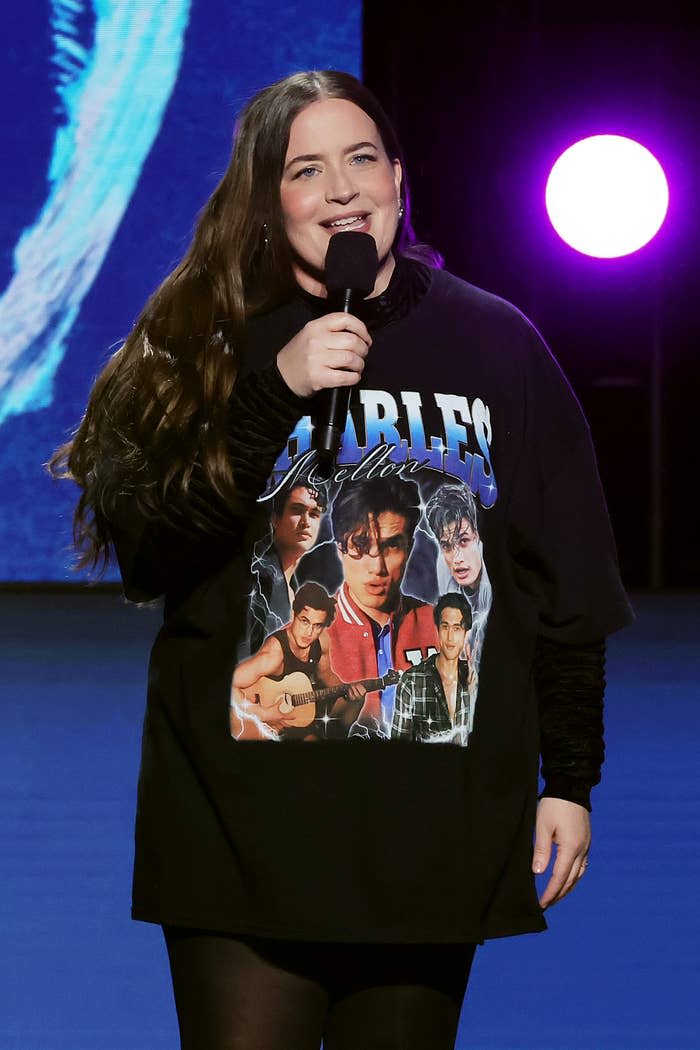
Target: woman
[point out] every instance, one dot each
(338, 890)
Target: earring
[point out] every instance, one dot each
(265, 233)
(400, 202)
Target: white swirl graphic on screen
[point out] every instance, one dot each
(113, 93)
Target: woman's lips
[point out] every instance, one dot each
(358, 222)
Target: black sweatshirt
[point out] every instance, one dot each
(241, 825)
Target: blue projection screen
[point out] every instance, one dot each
(118, 121)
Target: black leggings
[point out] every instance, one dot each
(252, 993)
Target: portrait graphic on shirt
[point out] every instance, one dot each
(370, 593)
(288, 689)
(434, 699)
(297, 512)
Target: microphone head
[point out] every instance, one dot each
(351, 262)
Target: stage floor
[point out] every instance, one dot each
(619, 966)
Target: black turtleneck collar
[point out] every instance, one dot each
(408, 284)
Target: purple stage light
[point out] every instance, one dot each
(607, 196)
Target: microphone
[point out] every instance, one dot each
(350, 272)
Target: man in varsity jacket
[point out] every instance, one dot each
(377, 627)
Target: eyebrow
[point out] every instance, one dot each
(446, 537)
(318, 156)
(298, 505)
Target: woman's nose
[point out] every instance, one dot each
(340, 187)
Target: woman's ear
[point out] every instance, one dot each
(398, 176)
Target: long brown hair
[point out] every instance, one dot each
(155, 427)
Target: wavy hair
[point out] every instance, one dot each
(154, 434)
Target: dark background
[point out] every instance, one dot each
(484, 100)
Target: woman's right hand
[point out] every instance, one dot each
(328, 351)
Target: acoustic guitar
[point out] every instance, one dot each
(295, 694)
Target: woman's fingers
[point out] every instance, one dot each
(567, 825)
(348, 359)
(571, 879)
(339, 322)
(327, 352)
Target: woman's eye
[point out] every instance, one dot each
(305, 173)
(362, 157)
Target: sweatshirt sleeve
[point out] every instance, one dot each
(561, 540)
(564, 558)
(156, 557)
(570, 685)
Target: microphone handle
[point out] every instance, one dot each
(329, 434)
(335, 402)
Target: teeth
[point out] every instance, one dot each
(347, 222)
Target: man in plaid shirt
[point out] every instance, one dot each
(432, 700)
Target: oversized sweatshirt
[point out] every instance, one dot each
(466, 469)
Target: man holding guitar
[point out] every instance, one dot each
(286, 689)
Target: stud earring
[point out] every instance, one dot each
(265, 233)
(400, 208)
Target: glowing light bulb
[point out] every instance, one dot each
(607, 196)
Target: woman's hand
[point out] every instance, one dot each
(329, 351)
(568, 825)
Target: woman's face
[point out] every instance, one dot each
(337, 177)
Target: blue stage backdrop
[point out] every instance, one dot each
(118, 121)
